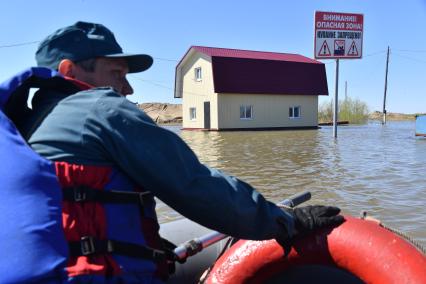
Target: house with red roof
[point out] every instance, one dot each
(232, 89)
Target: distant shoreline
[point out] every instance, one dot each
(171, 114)
(163, 113)
(392, 116)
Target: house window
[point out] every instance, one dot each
(192, 113)
(294, 112)
(197, 72)
(246, 112)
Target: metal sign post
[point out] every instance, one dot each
(338, 36)
(336, 101)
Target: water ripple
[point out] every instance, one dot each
(381, 169)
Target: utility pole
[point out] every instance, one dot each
(346, 90)
(386, 87)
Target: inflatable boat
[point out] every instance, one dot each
(358, 251)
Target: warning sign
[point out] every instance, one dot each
(353, 51)
(325, 50)
(341, 31)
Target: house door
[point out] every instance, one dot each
(206, 115)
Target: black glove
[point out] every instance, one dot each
(306, 220)
(309, 218)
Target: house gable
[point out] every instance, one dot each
(197, 91)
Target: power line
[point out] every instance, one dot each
(165, 59)
(19, 44)
(375, 53)
(149, 80)
(410, 58)
(152, 83)
(38, 41)
(410, 50)
(163, 86)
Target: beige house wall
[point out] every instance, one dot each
(195, 93)
(268, 111)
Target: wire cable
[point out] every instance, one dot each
(410, 50)
(165, 59)
(163, 86)
(410, 58)
(375, 53)
(19, 44)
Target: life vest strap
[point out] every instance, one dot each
(87, 194)
(89, 246)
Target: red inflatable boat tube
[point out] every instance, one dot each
(362, 248)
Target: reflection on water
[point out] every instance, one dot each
(380, 169)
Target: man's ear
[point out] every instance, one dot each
(67, 68)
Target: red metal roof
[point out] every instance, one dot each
(257, 76)
(240, 53)
(260, 72)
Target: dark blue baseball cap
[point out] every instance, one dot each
(83, 41)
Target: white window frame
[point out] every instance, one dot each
(198, 75)
(243, 112)
(291, 111)
(192, 113)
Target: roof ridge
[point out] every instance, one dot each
(249, 50)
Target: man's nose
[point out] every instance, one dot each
(127, 89)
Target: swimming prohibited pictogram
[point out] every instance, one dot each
(339, 47)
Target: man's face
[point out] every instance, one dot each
(108, 72)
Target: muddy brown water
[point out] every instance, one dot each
(373, 168)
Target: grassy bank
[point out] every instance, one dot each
(352, 110)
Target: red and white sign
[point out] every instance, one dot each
(338, 35)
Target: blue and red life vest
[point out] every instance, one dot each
(63, 222)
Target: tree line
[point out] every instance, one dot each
(353, 110)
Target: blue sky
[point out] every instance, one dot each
(166, 29)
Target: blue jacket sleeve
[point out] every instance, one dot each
(161, 162)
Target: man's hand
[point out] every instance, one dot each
(310, 218)
(307, 219)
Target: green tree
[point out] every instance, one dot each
(353, 110)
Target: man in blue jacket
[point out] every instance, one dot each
(99, 127)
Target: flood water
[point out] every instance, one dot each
(379, 169)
